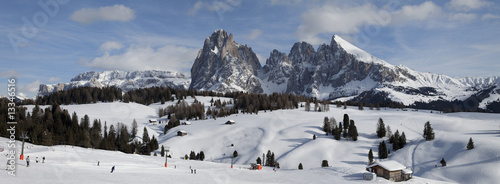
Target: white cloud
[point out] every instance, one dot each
(197, 6)
(490, 16)
(463, 17)
(169, 58)
(215, 6)
(348, 19)
(54, 79)
(107, 13)
(425, 11)
(467, 5)
(10, 73)
(253, 35)
(335, 19)
(110, 45)
(30, 87)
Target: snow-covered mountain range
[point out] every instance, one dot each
(338, 70)
(122, 79)
(333, 71)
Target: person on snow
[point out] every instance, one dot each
(28, 161)
(43, 159)
(112, 169)
(36, 159)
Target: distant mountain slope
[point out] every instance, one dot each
(124, 80)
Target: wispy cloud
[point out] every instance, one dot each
(350, 19)
(110, 45)
(107, 13)
(463, 17)
(10, 73)
(253, 34)
(170, 58)
(489, 16)
(467, 5)
(30, 87)
(215, 6)
(54, 79)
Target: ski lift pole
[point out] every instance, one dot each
(24, 135)
(166, 155)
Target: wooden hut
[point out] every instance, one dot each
(390, 170)
(181, 133)
(230, 122)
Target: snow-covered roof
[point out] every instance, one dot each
(407, 171)
(390, 165)
(182, 131)
(152, 120)
(231, 120)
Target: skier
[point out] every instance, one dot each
(112, 169)
(195, 171)
(97, 163)
(43, 159)
(36, 159)
(28, 161)
(191, 171)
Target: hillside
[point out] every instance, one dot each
(288, 133)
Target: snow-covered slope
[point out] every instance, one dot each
(288, 133)
(125, 80)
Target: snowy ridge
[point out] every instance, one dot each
(360, 54)
(125, 80)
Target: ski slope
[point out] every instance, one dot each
(287, 133)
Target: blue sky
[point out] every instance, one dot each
(51, 41)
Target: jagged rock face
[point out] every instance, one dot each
(279, 67)
(126, 81)
(223, 65)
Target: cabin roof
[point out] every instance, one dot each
(390, 165)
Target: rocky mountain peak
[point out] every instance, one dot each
(223, 62)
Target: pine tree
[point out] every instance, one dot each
(346, 122)
(402, 140)
(134, 128)
(353, 131)
(192, 155)
(336, 133)
(395, 141)
(235, 154)
(145, 136)
(324, 163)
(370, 157)
(428, 132)
(470, 145)
(202, 155)
(443, 163)
(314, 137)
(380, 128)
(382, 150)
(162, 151)
(326, 125)
(300, 166)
